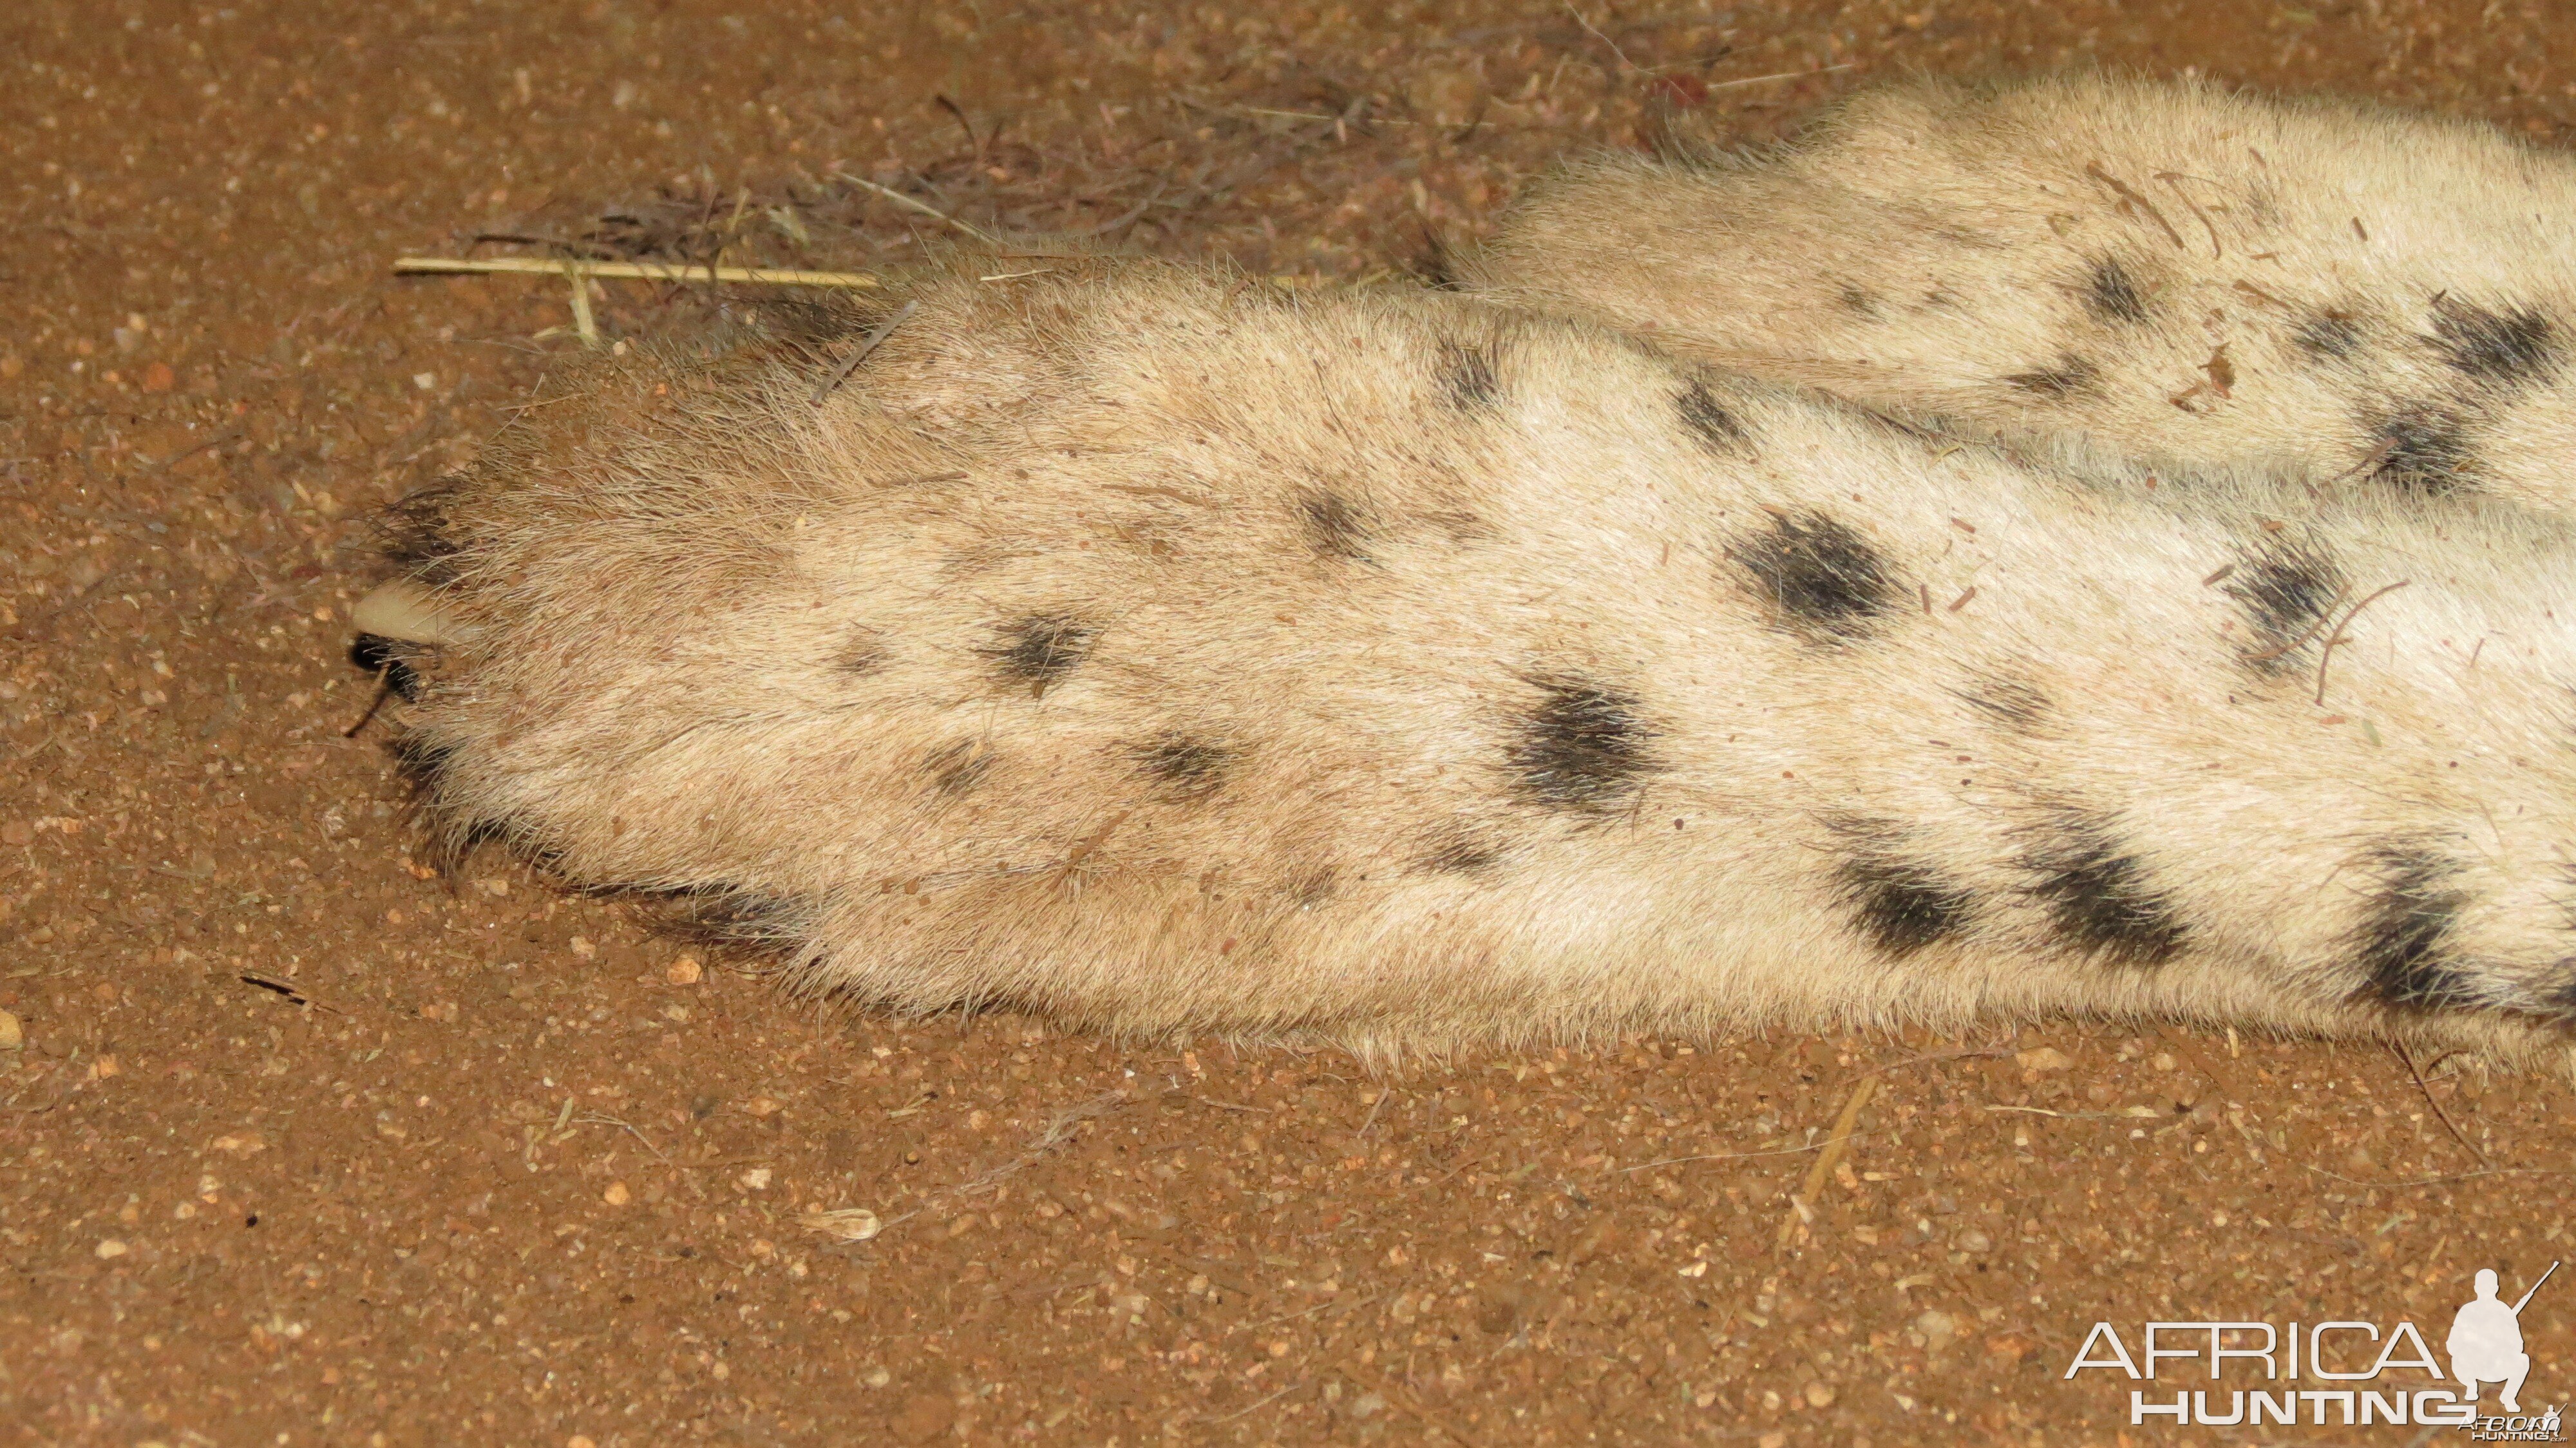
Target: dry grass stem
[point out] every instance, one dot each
(874, 339)
(2412, 1069)
(1780, 75)
(584, 325)
(926, 209)
(2325, 655)
(633, 271)
(1802, 1201)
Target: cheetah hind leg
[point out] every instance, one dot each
(1161, 653)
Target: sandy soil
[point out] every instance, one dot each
(299, 1143)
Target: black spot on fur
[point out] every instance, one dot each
(861, 654)
(2010, 702)
(2426, 449)
(1467, 378)
(2505, 348)
(1902, 904)
(377, 654)
(2331, 335)
(1717, 429)
(1583, 747)
(1820, 578)
(2100, 897)
(1043, 648)
(1461, 856)
(2285, 589)
(1190, 766)
(960, 766)
(2111, 294)
(1861, 302)
(2402, 943)
(2071, 375)
(1334, 526)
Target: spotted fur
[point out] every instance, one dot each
(2405, 952)
(1901, 903)
(1582, 746)
(2287, 587)
(1861, 726)
(2307, 289)
(2112, 293)
(1708, 420)
(1816, 576)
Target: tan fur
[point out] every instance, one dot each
(1165, 654)
(2172, 273)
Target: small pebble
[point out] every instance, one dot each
(684, 971)
(1819, 1396)
(756, 1179)
(617, 1195)
(12, 1035)
(2044, 1058)
(847, 1224)
(111, 1248)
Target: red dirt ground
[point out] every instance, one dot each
(302, 1145)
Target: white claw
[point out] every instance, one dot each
(405, 611)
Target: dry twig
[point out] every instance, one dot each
(1802, 1201)
(633, 271)
(2326, 655)
(384, 690)
(1058, 1131)
(1781, 75)
(925, 208)
(2462, 1137)
(2121, 188)
(875, 338)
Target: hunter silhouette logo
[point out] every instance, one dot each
(2486, 1340)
